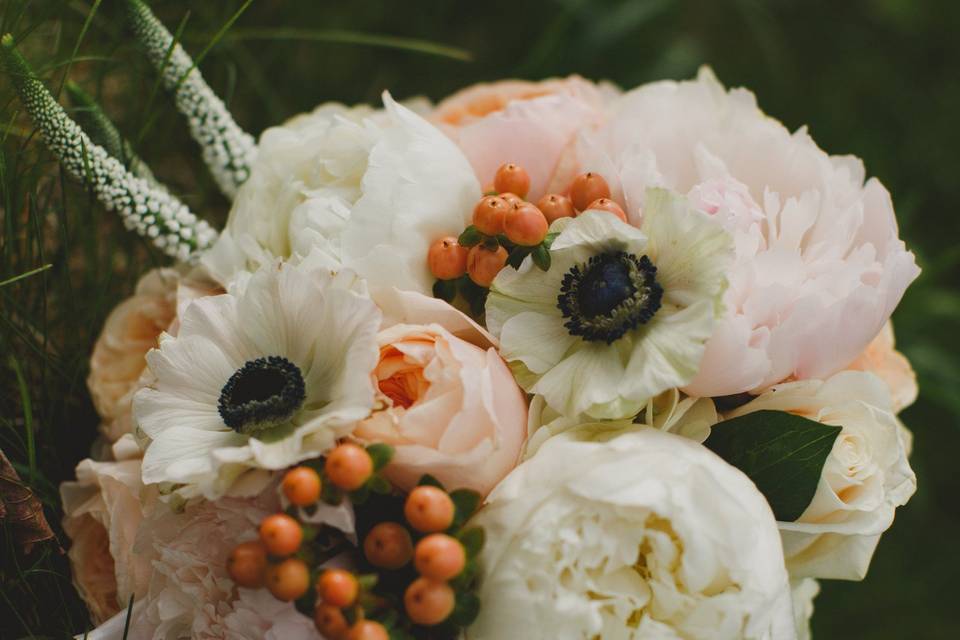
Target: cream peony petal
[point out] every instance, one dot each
(641, 535)
(418, 187)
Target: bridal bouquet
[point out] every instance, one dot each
(545, 360)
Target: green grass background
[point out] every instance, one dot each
(876, 78)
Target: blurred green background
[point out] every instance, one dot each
(875, 78)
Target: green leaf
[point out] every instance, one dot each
(466, 609)
(427, 480)
(541, 257)
(446, 290)
(466, 503)
(367, 581)
(381, 455)
(380, 485)
(470, 237)
(515, 259)
(781, 452)
(548, 241)
(491, 243)
(472, 540)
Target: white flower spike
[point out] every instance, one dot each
(152, 212)
(228, 150)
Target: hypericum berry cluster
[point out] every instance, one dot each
(153, 213)
(413, 575)
(228, 150)
(506, 229)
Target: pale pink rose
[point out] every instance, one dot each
(819, 263)
(882, 359)
(448, 403)
(118, 364)
(102, 515)
(189, 594)
(529, 123)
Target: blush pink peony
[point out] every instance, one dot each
(188, 593)
(447, 403)
(529, 123)
(103, 511)
(819, 267)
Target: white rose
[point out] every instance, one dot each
(865, 478)
(645, 535)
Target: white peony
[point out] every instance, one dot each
(819, 264)
(621, 315)
(647, 535)
(804, 592)
(269, 374)
(865, 478)
(369, 190)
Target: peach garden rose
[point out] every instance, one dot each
(448, 404)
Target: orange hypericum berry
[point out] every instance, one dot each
(488, 215)
(483, 265)
(388, 546)
(368, 630)
(247, 564)
(447, 259)
(429, 509)
(513, 178)
(349, 466)
(525, 225)
(606, 204)
(586, 188)
(302, 486)
(511, 198)
(555, 206)
(330, 622)
(439, 557)
(288, 580)
(338, 587)
(428, 602)
(281, 534)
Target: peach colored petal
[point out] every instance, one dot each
(881, 358)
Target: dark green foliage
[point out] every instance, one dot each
(782, 453)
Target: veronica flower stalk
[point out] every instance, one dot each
(152, 212)
(228, 150)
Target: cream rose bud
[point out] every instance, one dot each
(450, 408)
(645, 535)
(864, 479)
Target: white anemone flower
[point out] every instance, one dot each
(621, 315)
(268, 374)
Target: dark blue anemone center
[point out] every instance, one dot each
(603, 287)
(610, 294)
(261, 394)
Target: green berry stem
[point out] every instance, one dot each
(92, 119)
(154, 213)
(228, 150)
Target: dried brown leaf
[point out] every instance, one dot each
(20, 509)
